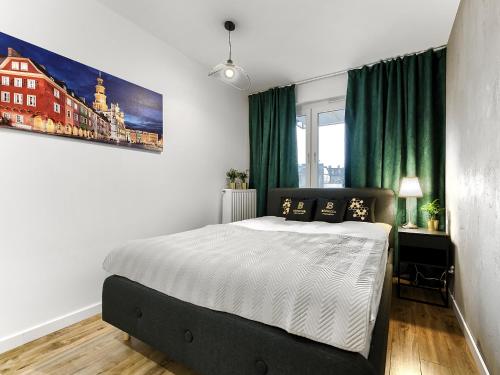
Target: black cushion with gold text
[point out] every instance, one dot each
(330, 210)
(301, 209)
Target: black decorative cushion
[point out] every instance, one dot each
(286, 204)
(298, 209)
(360, 209)
(330, 210)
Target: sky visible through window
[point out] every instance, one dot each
(331, 145)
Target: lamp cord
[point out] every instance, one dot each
(230, 46)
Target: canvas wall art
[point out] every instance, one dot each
(43, 92)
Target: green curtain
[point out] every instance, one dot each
(273, 142)
(395, 117)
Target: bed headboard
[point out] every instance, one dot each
(384, 204)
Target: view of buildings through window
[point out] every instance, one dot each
(320, 146)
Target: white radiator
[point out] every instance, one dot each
(238, 205)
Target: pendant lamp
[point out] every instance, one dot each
(228, 72)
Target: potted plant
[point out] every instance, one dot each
(432, 209)
(232, 175)
(243, 175)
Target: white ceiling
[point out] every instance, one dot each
(282, 41)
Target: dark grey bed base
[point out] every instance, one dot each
(217, 343)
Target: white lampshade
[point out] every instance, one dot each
(231, 74)
(410, 187)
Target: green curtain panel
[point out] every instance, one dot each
(273, 142)
(395, 117)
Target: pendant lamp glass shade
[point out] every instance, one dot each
(228, 72)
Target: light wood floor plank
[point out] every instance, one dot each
(430, 368)
(405, 359)
(423, 340)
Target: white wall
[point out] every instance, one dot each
(473, 170)
(64, 204)
(327, 88)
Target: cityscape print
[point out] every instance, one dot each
(43, 92)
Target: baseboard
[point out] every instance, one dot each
(481, 365)
(35, 332)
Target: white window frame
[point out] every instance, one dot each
(19, 119)
(5, 80)
(18, 98)
(68, 113)
(68, 102)
(57, 108)
(57, 93)
(31, 100)
(75, 116)
(311, 112)
(5, 96)
(31, 84)
(6, 115)
(18, 82)
(14, 65)
(24, 66)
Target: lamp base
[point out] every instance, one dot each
(409, 225)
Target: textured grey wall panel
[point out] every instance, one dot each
(473, 169)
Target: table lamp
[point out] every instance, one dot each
(410, 189)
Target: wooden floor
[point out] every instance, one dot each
(423, 340)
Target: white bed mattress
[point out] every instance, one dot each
(317, 280)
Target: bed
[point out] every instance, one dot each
(209, 301)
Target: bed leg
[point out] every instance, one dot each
(126, 336)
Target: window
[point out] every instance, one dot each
(18, 82)
(5, 97)
(320, 144)
(15, 65)
(5, 81)
(302, 158)
(75, 106)
(57, 108)
(18, 98)
(75, 117)
(31, 100)
(31, 83)
(6, 115)
(68, 101)
(24, 66)
(19, 119)
(57, 93)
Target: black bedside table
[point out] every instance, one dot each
(424, 262)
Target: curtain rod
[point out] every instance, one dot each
(345, 71)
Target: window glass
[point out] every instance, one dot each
(331, 149)
(302, 150)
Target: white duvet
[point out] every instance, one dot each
(317, 280)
